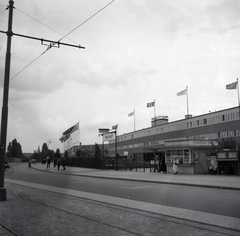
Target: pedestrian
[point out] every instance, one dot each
(175, 165)
(63, 163)
(156, 163)
(48, 162)
(58, 162)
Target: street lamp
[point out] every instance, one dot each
(102, 132)
(115, 131)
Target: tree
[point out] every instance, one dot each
(78, 153)
(35, 155)
(44, 149)
(97, 153)
(9, 150)
(14, 149)
(228, 143)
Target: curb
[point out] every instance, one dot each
(148, 181)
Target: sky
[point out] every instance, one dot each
(136, 51)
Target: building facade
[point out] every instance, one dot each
(186, 138)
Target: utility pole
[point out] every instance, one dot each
(3, 137)
(4, 120)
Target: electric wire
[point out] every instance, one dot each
(88, 19)
(65, 36)
(2, 11)
(44, 24)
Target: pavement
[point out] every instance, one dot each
(35, 209)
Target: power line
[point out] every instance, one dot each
(50, 46)
(88, 19)
(43, 24)
(25, 67)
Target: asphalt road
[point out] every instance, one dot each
(216, 201)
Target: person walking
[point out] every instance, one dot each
(58, 162)
(48, 162)
(58, 158)
(63, 163)
(175, 165)
(156, 163)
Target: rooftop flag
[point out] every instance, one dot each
(66, 134)
(132, 113)
(184, 92)
(115, 126)
(151, 104)
(232, 85)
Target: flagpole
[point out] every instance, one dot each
(187, 99)
(134, 121)
(154, 110)
(78, 134)
(238, 97)
(238, 92)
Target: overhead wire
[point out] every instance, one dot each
(64, 36)
(43, 24)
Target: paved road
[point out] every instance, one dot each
(209, 200)
(37, 209)
(42, 210)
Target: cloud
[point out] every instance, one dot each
(136, 51)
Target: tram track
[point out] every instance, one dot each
(62, 207)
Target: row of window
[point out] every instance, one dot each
(183, 124)
(210, 136)
(213, 120)
(183, 155)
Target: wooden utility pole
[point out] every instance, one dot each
(4, 121)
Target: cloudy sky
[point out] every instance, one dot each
(136, 51)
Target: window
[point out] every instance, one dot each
(187, 157)
(204, 121)
(183, 155)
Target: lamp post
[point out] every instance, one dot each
(116, 155)
(102, 132)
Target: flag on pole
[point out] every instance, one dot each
(184, 92)
(131, 114)
(115, 126)
(75, 127)
(66, 134)
(151, 104)
(232, 85)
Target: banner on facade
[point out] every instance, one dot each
(108, 137)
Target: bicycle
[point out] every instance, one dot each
(9, 169)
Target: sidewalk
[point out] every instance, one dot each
(211, 181)
(35, 209)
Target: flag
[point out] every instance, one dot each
(131, 114)
(103, 130)
(151, 104)
(232, 85)
(184, 92)
(115, 126)
(66, 134)
(64, 137)
(75, 127)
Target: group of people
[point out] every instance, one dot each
(175, 165)
(58, 161)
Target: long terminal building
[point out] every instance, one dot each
(189, 139)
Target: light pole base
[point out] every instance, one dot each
(3, 194)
